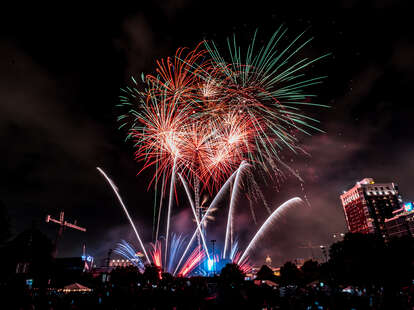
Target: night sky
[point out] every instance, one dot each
(60, 74)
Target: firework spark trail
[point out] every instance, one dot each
(229, 228)
(270, 87)
(274, 216)
(193, 261)
(156, 254)
(124, 249)
(244, 266)
(169, 210)
(115, 189)
(158, 132)
(178, 76)
(215, 200)
(234, 250)
(176, 244)
(160, 208)
(195, 215)
(205, 112)
(246, 106)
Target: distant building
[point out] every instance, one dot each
(255, 269)
(268, 260)
(402, 223)
(120, 263)
(368, 204)
(299, 261)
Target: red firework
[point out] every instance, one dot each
(206, 115)
(156, 254)
(179, 77)
(244, 265)
(193, 261)
(172, 126)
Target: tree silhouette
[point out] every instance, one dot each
(232, 274)
(400, 262)
(125, 276)
(290, 274)
(152, 273)
(359, 259)
(310, 271)
(265, 273)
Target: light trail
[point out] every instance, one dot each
(160, 208)
(229, 228)
(274, 216)
(115, 189)
(195, 214)
(193, 261)
(215, 200)
(124, 249)
(177, 241)
(169, 210)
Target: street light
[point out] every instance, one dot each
(323, 248)
(337, 235)
(214, 265)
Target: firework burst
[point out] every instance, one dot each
(127, 251)
(205, 113)
(193, 261)
(209, 111)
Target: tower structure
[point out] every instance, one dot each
(62, 223)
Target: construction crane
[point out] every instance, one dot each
(62, 223)
(310, 246)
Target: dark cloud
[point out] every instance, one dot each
(136, 43)
(29, 97)
(376, 4)
(402, 57)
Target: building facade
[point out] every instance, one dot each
(367, 205)
(120, 263)
(402, 223)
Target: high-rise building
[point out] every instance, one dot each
(368, 204)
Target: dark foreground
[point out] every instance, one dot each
(362, 272)
(205, 293)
